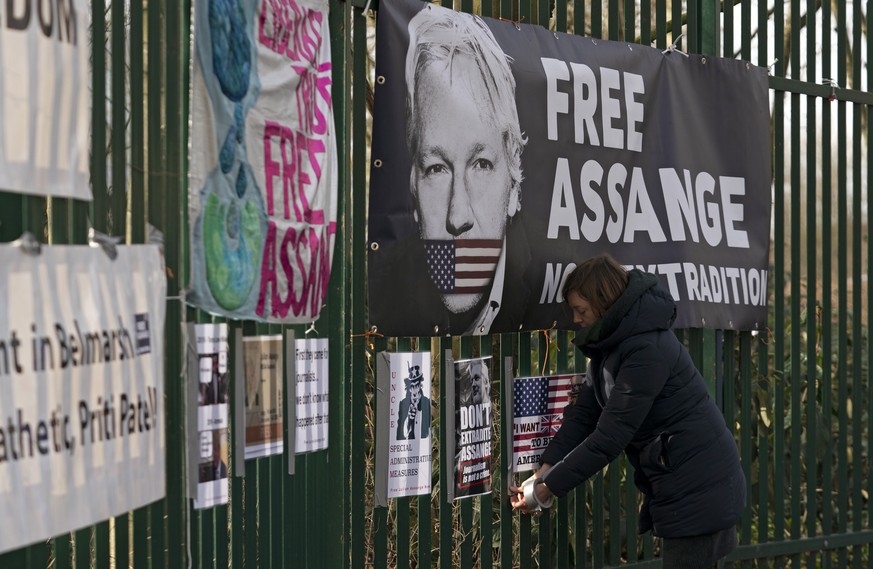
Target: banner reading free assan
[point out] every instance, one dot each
(263, 179)
(506, 154)
(81, 388)
(45, 98)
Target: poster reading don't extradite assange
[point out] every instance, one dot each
(471, 457)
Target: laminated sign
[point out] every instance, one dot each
(506, 154)
(81, 387)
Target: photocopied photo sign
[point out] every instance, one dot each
(403, 425)
(537, 405)
(209, 445)
(471, 425)
(45, 98)
(263, 175)
(81, 387)
(568, 147)
(263, 395)
(311, 359)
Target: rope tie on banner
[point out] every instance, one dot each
(367, 335)
(674, 46)
(516, 23)
(549, 342)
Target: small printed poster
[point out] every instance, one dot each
(263, 395)
(403, 445)
(212, 415)
(472, 461)
(538, 411)
(311, 366)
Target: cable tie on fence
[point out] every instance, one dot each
(772, 64)
(368, 334)
(516, 23)
(367, 7)
(29, 244)
(310, 329)
(834, 86)
(106, 242)
(549, 342)
(675, 46)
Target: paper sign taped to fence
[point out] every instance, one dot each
(263, 395)
(263, 176)
(509, 153)
(81, 387)
(213, 411)
(473, 427)
(537, 413)
(403, 441)
(45, 98)
(312, 358)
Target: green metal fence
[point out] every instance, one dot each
(797, 398)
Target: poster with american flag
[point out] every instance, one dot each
(538, 410)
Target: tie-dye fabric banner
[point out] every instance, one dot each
(263, 181)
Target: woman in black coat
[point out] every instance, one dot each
(643, 395)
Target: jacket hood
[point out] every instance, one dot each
(644, 306)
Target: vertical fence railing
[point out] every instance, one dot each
(797, 398)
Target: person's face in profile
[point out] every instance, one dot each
(460, 176)
(583, 313)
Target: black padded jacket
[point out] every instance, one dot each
(643, 395)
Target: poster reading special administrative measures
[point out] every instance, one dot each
(505, 154)
(263, 176)
(311, 364)
(263, 395)
(81, 387)
(473, 427)
(403, 408)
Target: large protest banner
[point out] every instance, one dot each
(81, 387)
(45, 100)
(504, 155)
(263, 181)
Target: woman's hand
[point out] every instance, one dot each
(542, 492)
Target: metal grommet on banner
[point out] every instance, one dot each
(703, 60)
(380, 80)
(731, 324)
(377, 163)
(436, 329)
(374, 246)
(556, 35)
(29, 244)
(703, 322)
(516, 23)
(630, 47)
(106, 242)
(594, 41)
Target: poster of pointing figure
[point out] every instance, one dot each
(403, 441)
(505, 154)
(472, 427)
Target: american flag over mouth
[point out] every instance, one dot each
(462, 266)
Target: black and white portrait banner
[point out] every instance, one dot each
(504, 155)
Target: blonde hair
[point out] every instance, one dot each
(600, 281)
